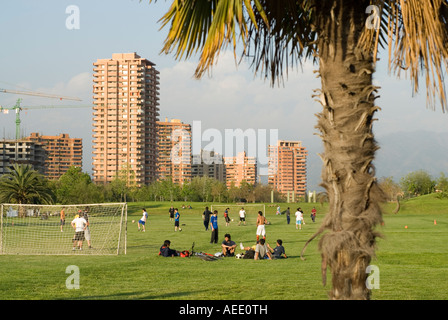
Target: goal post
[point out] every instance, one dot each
(31, 229)
(234, 209)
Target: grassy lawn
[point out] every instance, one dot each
(413, 261)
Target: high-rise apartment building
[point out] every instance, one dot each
(62, 152)
(287, 167)
(126, 90)
(174, 150)
(21, 151)
(240, 168)
(208, 164)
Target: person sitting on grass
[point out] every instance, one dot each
(262, 251)
(166, 251)
(228, 246)
(279, 251)
(249, 251)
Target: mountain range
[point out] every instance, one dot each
(400, 153)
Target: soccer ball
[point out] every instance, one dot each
(133, 221)
(180, 229)
(239, 256)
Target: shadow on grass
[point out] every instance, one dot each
(142, 295)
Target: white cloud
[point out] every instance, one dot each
(233, 98)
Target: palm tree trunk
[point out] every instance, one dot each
(347, 96)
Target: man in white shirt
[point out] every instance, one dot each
(242, 216)
(79, 224)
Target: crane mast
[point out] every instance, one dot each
(17, 107)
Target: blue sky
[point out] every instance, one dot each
(40, 54)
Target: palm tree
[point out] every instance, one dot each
(343, 38)
(24, 185)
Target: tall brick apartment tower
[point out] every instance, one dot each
(240, 168)
(62, 152)
(287, 167)
(174, 150)
(126, 90)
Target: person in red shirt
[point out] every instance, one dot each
(313, 214)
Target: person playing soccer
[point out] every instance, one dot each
(142, 221)
(242, 214)
(227, 217)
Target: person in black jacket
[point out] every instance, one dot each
(166, 251)
(206, 217)
(171, 212)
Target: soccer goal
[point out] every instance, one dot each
(39, 230)
(234, 209)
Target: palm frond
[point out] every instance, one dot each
(416, 33)
(207, 26)
(290, 37)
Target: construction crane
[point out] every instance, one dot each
(17, 107)
(39, 94)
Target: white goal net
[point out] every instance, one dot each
(40, 229)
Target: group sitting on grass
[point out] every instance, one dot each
(261, 250)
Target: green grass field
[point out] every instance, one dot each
(413, 262)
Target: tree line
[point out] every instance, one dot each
(25, 185)
(414, 184)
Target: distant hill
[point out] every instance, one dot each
(404, 152)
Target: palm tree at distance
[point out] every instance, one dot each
(24, 185)
(342, 37)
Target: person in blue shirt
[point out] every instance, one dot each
(176, 219)
(214, 227)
